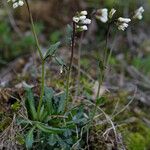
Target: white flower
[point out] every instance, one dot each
(81, 21)
(83, 13)
(86, 21)
(112, 12)
(82, 18)
(20, 3)
(84, 28)
(125, 20)
(61, 69)
(15, 5)
(138, 13)
(123, 23)
(102, 15)
(76, 19)
(123, 26)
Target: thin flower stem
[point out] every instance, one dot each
(79, 66)
(102, 72)
(109, 56)
(41, 56)
(96, 101)
(97, 96)
(33, 30)
(106, 45)
(101, 78)
(70, 65)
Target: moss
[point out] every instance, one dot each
(20, 139)
(5, 122)
(137, 137)
(136, 142)
(136, 134)
(16, 106)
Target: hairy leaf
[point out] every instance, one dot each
(49, 129)
(41, 113)
(30, 101)
(51, 51)
(60, 61)
(49, 93)
(29, 139)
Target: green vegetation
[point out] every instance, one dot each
(84, 96)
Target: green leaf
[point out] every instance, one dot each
(49, 93)
(68, 133)
(61, 107)
(52, 140)
(49, 129)
(69, 29)
(51, 51)
(41, 113)
(60, 61)
(44, 116)
(23, 122)
(60, 99)
(62, 143)
(68, 34)
(30, 101)
(29, 139)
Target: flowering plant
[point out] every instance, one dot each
(66, 132)
(16, 3)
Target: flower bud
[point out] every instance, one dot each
(76, 19)
(112, 12)
(84, 28)
(123, 26)
(20, 3)
(83, 13)
(86, 21)
(82, 18)
(138, 13)
(15, 5)
(102, 15)
(125, 20)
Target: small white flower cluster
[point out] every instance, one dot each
(103, 15)
(81, 21)
(17, 3)
(138, 13)
(123, 23)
